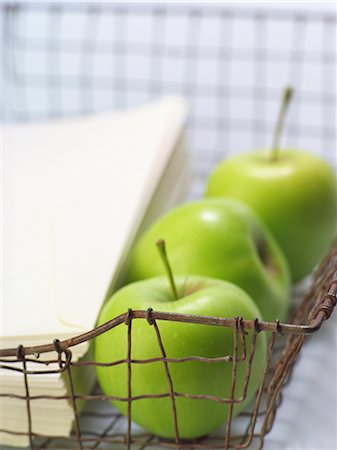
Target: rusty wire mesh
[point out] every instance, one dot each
(284, 344)
(99, 425)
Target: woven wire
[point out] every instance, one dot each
(230, 63)
(100, 427)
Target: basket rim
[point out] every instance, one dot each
(322, 295)
(324, 311)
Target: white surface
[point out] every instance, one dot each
(307, 418)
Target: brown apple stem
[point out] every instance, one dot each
(275, 149)
(162, 251)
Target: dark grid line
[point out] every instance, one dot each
(87, 57)
(260, 74)
(10, 20)
(171, 51)
(224, 95)
(189, 82)
(237, 91)
(157, 50)
(181, 10)
(54, 81)
(329, 82)
(120, 23)
(297, 57)
(242, 126)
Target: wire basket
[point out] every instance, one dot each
(285, 342)
(233, 85)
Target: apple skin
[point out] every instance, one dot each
(295, 195)
(218, 238)
(197, 296)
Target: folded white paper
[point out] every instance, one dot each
(75, 193)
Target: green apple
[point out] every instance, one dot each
(221, 239)
(294, 193)
(197, 296)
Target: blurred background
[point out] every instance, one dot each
(229, 60)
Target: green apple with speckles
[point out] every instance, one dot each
(221, 239)
(294, 192)
(196, 296)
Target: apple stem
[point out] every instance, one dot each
(162, 251)
(287, 95)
